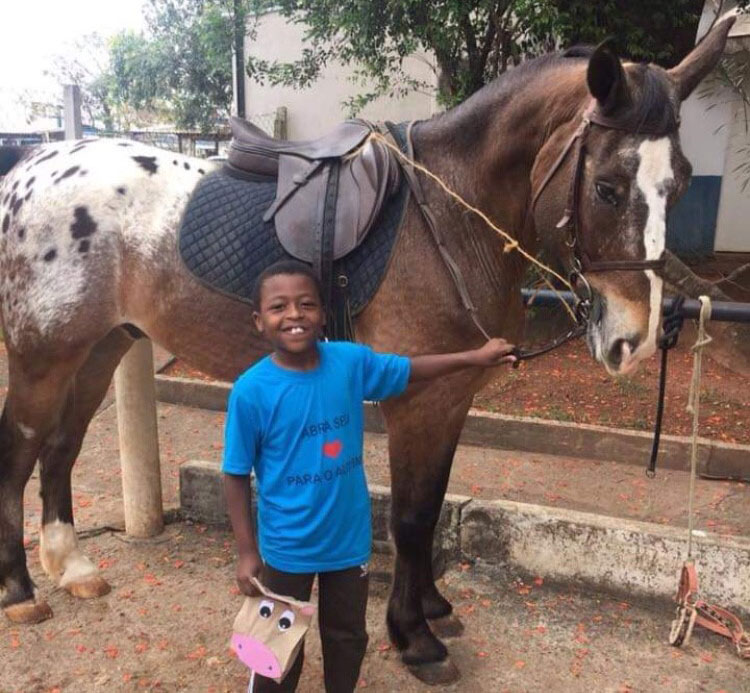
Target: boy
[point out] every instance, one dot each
(296, 417)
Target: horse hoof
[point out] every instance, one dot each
(89, 588)
(28, 612)
(436, 673)
(449, 626)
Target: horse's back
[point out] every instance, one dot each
(78, 218)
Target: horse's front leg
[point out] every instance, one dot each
(423, 433)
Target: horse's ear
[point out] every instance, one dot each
(606, 78)
(702, 59)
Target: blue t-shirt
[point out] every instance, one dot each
(302, 433)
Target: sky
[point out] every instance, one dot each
(33, 31)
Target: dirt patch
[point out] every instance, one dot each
(165, 627)
(567, 385)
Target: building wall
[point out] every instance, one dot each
(713, 213)
(315, 110)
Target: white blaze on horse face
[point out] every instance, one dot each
(60, 556)
(653, 174)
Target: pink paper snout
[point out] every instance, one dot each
(255, 655)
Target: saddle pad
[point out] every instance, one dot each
(224, 242)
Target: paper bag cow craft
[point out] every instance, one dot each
(268, 632)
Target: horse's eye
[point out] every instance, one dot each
(287, 620)
(266, 608)
(607, 193)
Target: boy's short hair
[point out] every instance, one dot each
(284, 267)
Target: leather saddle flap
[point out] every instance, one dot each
(365, 181)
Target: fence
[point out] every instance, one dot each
(198, 144)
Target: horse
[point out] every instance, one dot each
(89, 263)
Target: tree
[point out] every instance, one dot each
(183, 62)
(473, 41)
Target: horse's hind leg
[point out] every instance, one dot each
(38, 386)
(59, 553)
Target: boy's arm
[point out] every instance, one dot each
(493, 353)
(249, 563)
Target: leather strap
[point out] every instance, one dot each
(569, 220)
(324, 256)
(451, 265)
(615, 265)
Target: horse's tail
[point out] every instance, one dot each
(10, 156)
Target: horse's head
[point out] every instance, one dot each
(624, 171)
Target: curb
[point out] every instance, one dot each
(608, 553)
(525, 434)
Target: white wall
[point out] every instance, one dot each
(313, 111)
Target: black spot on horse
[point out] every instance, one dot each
(46, 158)
(84, 245)
(68, 173)
(124, 144)
(30, 181)
(28, 195)
(83, 173)
(148, 163)
(83, 225)
(15, 185)
(15, 204)
(21, 233)
(201, 171)
(77, 148)
(121, 190)
(6, 223)
(187, 166)
(50, 255)
(174, 162)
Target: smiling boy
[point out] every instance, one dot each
(296, 419)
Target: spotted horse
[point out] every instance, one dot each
(89, 261)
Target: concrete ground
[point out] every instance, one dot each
(165, 627)
(166, 623)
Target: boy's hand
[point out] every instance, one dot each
(493, 353)
(248, 566)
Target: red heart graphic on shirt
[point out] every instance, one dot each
(332, 449)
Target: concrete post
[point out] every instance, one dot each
(139, 442)
(73, 122)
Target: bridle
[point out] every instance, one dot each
(580, 261)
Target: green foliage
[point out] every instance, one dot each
(473, 41)
(182, 68)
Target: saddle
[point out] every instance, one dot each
(225, 241)
(329, 191)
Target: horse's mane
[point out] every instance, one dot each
(652, 109)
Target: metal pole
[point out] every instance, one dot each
(239, 56)
(135, 395)
(721, 311)
(73, 122)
